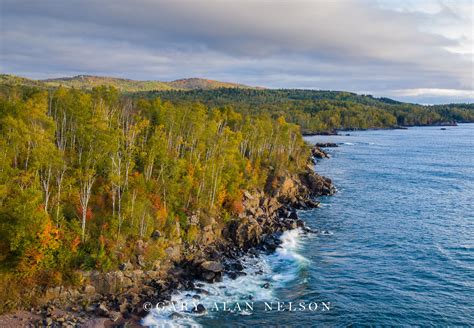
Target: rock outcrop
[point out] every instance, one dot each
(318, 153)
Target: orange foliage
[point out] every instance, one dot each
(75, 243)
(49, 237)
(248, 167)
(155, 202)
(237, 206)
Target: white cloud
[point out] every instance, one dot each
(433, 92)
(344, 45)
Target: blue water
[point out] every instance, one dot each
(398, 241)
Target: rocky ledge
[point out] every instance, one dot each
(116, 298)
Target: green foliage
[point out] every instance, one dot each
(85, 174)
(322, 111)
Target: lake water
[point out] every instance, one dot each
(396, 245)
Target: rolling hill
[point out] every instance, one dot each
(125, 85)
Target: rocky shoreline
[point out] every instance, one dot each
(335, 132)
(116, 298)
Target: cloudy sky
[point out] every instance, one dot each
(412, 50)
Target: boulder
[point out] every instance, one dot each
(293, 215)
(89, 290)
(155, 234)
(213, 266)
(199, 309)
(317, 184)
(318, 153)
(141, 261)
(114, 315)
(126, 266)
(247, 195)
(245, 232)
(209, 276)
(102, 310)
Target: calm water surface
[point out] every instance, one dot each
(398, 241)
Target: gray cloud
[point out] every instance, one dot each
(345, 45)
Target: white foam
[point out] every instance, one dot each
(276, 270)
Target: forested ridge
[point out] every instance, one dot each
(325, 111)
(84, 175)
(315, 111)
(88, 82)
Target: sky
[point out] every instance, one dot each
(411, 50)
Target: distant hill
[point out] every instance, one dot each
(90, 81)
(315, 111)
(125, 85)
(6, 79)
(203, 84)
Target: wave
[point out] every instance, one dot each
(264, 274)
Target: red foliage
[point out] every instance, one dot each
(155, 202)
(88, 212)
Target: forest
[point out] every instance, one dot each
(324, 111)
(84, 175)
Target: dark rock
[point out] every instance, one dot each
(283, 212)
(201, 291)
(271, 242)
(155, 234)
(199, 309)
(176, 315)
(235, 266)
(326, 144)
(293, 215)
(292, 224)
(126, 266)
(208, 276)
(300, 223)
(233, 275)
(312, 203)
(218, 278)
(102, 310)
